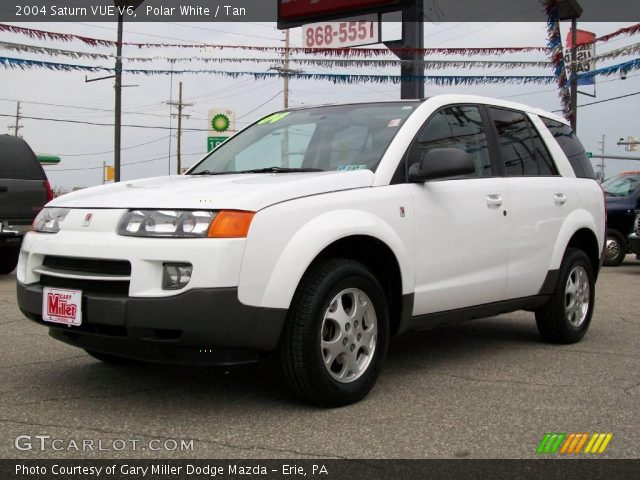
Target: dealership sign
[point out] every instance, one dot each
(585, 55)
(293, 13)
(350, 32)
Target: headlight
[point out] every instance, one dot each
(50, 219)
(166, 223)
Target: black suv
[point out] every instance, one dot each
(623, 200)
(24, 190)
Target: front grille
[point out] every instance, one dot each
(636, 226)
(88, 265)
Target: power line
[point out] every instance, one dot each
(221, 31)
(97, 124)
(111, 151)
(606, 100)
(78, 107)
(124, 164)
(260, 106)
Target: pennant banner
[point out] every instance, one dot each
(556, 55)
(632, 30)
(317, 62)
(620, 52)
(333, 77)
(55, 52)
(335, 52)
(341, 52)
(621, 68)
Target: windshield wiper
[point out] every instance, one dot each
(281, 170)
(207, 172)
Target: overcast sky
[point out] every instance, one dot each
(84, 148)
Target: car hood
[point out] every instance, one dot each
(240, 191)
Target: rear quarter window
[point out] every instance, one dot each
(17, 160)
(572, 148)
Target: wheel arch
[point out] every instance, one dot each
(585, 239)
(580, 230)
(378, 257)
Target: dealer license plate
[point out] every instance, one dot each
(62, 306)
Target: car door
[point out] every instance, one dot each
(540, 200)
(462, 233)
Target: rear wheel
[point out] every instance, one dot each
(616, 249)
(335, 340)
(565, 318)
(8, 259)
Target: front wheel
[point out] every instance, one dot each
(335, 341)
(566, 316)
(616, 249)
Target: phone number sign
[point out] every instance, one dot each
(349, 32)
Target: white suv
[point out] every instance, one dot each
(317, 234)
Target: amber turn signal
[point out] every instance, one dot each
(231, 224)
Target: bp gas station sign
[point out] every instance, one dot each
(214, 142)
(221, 125)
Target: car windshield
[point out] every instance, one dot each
(621, 186)
(345, 137)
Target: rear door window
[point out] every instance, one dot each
(523, 151)
(572, 148)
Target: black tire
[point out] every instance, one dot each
(552, 319)
(8, 259)
(616, 248)
(300, 352)
(110, 359)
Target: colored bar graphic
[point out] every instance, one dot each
(572, 443)
(584, 439)
(550, 443)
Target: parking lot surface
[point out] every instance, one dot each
(483, 389)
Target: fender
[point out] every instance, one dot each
(575, 221)
(271, 273)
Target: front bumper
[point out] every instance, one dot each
(634, 243)
(199, 326)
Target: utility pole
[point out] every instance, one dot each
(574, 74)
(117, 137)
(180, 105)
(600, 174)
(16, 128)
(286, 68)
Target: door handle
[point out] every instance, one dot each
(560, 198)
(494, 200)
(3, 188)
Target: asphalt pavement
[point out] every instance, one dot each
(483, 389)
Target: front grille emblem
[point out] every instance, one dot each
(87, 219)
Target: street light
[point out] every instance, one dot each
(121, 4)
(571, 10)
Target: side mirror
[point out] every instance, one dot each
(441, 163)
